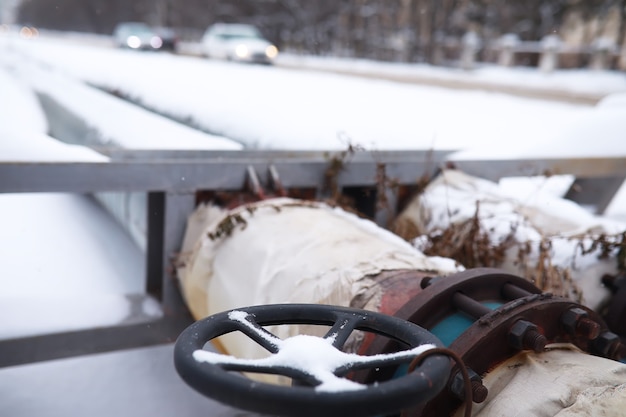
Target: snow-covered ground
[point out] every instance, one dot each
(286, 109)
(263, 107)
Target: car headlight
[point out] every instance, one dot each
(156, 42)
(29, 32)
(271, 51)
(133, 42)
(241, 51)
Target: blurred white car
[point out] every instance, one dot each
(238, 42)
(136, 35)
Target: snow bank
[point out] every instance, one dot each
(570, 80)
(598, 132)
(23, 128)
(36, 314)
(67, 265)
(20, 107)
(23, 146)
(111, 121)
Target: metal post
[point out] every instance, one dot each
(549, 59)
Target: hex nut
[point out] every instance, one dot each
(607, 344)
(479, 391)
(516, 333)
(571, 317)
(525, 335)
(577, 322)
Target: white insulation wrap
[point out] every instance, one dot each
(287, 251)
(561, 382)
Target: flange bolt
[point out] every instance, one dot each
(525, 335)
(609, 345)
(577, 322)
(479, 391)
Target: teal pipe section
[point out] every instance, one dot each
(448, 329)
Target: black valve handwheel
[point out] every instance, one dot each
(216, 379)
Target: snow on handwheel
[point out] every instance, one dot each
(318, 367)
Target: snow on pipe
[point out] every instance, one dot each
(553, 242)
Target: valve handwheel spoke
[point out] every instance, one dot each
(317, 365)
(248, 326)
(342, 329)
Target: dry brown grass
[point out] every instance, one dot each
(471, 244)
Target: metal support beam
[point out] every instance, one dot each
(595, 192)
(219, 171)
(97, 340)
(492, 169)
(155, 265)
(178, 207)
